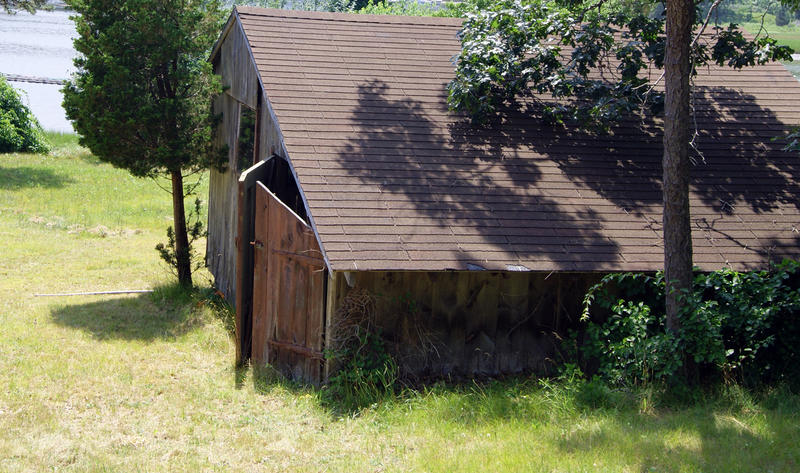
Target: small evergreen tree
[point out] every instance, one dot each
(19, 129)
(141, 97)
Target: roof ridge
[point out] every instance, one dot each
(350, 17)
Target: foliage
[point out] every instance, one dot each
(365, 374)
(141, 97)
(12, 6)
(415, 8)
(735, 326)
(782, 17)
(578, 63)
(374, 7)
(406, 8)
(195, 231)
(307, 5)
(19, 129)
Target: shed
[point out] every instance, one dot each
(352, 188)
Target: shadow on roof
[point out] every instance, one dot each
(488, 197)
(554, 194)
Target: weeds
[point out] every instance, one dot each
(195, 230)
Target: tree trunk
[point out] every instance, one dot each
(182, 255)
(677, 225)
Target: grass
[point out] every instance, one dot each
(147, 383)
(788, 35)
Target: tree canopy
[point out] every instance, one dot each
(581, 63)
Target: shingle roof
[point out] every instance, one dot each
(393, 181)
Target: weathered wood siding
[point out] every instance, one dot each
(289, 291)
(235, 65)
(469, 323)
(222, 195)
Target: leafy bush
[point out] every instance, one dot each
(736, 326)
(19, 130)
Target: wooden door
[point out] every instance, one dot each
(288, 291)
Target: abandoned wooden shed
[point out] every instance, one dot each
(351, 188)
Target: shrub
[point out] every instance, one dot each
(19, 130)
(366, 373)
(736, 326)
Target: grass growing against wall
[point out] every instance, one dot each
(146, 382)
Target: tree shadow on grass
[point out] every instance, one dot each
(700, 438)
(713, 433)
(161, 315)
(27, 177)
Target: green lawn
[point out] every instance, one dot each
(146, 383)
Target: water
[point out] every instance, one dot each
(39, 45)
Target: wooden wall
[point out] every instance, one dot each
(469, 323)
(235, 64)
(222, 195)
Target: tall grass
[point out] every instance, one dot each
(147, 382)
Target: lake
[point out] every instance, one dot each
(39, 45)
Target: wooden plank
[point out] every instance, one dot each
(247, 276)
(297, 312)
(261, 295)
(238, 69)
(458, 323)
(315, 323)
(486, 303)
(273, 271)
(331, 298)
(222, 207)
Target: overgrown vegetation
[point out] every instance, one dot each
(19, 129)
(148, 382)
(364, 369)
(735, 327)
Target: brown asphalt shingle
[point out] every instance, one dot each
(394, 181)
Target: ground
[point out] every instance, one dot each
(147, 382)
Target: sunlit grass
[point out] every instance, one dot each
(788, 35)
(147, 383)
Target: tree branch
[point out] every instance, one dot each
(705, 23)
